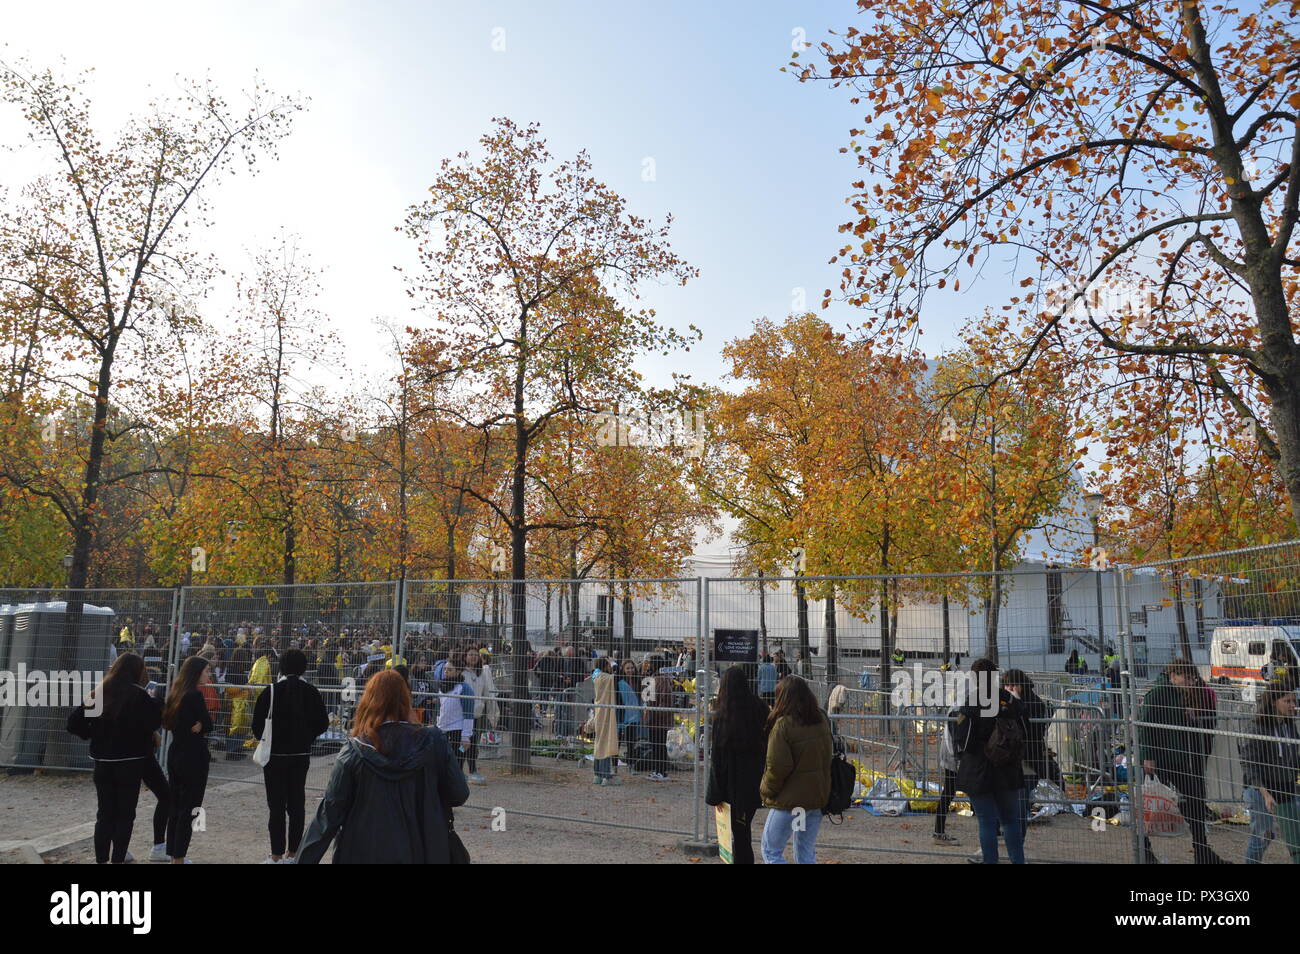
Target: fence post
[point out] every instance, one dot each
(173, 658)
(399, 616)
(702, 692)
(1128, 709)
(700, 842)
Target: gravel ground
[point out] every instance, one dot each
(54, 812)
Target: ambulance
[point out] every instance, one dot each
(1238, 654)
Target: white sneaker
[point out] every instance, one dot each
(287, 860)
(622, 764)
(477, 778)
(159, 853)
(268, 860)
(657, 777)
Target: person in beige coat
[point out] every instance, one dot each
(604, 724)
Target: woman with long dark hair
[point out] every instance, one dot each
(119, 718)
(797, 773)
(391, 794)
(186, 716)
(737, 755)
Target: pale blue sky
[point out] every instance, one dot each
(745, 157)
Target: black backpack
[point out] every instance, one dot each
(843, 778)
(1006, 743)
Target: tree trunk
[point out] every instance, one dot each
(290, 576)
(83, 536)
(627, 621)
(453, 597)
(992, 608)
(521, 730)
(801, 620)
(1180, 614)
(762, 611)
(521, 712)
(832, 640)
(886, 650)
(947, 631)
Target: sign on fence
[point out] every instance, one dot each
(735, 645)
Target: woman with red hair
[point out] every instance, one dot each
(393, 787)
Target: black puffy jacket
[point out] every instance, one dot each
(976, 775)
(391, 807)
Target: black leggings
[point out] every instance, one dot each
(117, 789)
(742, 843)
(471, 754)
(658, 748)
(945, 801)
(456, 744)
(188, 783)
(156, 782)
(286, 794)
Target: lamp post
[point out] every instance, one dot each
(1092, 503)
(67, 569)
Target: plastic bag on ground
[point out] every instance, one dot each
(885, 797)
(1046, 800)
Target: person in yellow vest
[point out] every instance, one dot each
(124, 637)
(899, 657)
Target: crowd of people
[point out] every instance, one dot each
(770, 747)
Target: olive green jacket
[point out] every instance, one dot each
(798, 769)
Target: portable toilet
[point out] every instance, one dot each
(33, 732)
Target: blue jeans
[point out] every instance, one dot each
(566, 717)
(777, 831)
(1004, 808)
(1261, 827)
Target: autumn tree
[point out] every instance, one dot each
(773, 445)
(871, 472)
(101, 246)
(1010, 449)
(521, 262)
(1140, 153)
